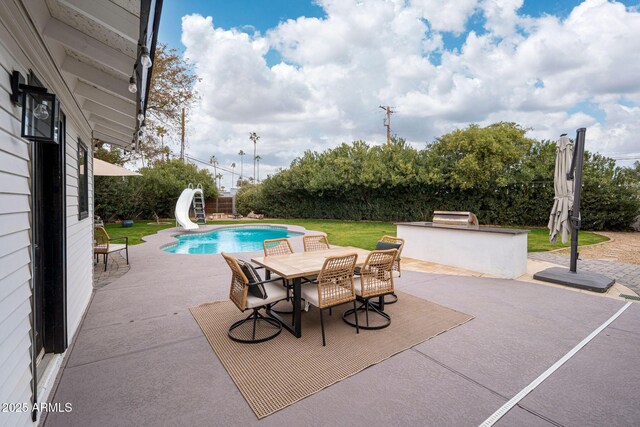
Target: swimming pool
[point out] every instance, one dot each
(228, 239)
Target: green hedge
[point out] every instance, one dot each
(495, 172)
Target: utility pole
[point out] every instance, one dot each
(182, 140)
(389, 111)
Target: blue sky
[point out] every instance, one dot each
(313, 83)
(262, 15)
(241, 14)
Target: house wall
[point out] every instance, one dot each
(20, 50)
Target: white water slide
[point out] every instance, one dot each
(184, 205)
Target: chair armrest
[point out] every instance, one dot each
(126, 239)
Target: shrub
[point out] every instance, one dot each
(156, 191)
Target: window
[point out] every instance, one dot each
(83, 182)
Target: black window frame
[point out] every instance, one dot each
(83, 182)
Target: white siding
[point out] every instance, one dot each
(15, 249)
(79, 236)
(15, 232)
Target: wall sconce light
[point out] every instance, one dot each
(40, 110)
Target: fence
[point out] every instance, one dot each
(220, 205)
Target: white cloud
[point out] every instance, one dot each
(446, 15)
(337, 70)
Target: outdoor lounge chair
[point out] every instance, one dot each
(102, 245)
(334, 286)
(316, 242)
(375, 281)
(249, 291)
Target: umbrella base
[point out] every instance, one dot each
(582, 280)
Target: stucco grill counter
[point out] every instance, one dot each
(501, 252)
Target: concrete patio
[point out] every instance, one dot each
(141, 359)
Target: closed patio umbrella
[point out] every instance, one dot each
(564, 189)
(565, 217)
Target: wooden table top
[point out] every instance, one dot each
(303, 264)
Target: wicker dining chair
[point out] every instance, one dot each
(375, 281)
(334, 286)
(243, 278)
(392, 242)
(315, 242)
(102, 245)
(275, 247)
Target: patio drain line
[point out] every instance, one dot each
(535, 383)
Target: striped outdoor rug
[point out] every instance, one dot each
(277, 373)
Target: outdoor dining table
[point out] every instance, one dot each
(297, 266)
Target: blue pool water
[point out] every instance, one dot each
(239, 239)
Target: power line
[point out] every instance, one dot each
(189, 157)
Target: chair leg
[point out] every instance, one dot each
(355, 311)
(330, 312)
(366, 311)
(255, 320)
(324, 343)
(254, 317)
(106, 259)
(367, 305)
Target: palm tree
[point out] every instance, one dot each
(258, 158)
(241, 154)
(219, 178)
(214, 162)
(233, 171)
(254, 137)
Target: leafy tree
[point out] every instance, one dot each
(172, 89)
(112, 155)
(478, 157)
(155, 192)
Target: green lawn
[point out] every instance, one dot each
(539, 240)
(140, 228)
(361, 234)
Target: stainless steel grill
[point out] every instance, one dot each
(449, 218)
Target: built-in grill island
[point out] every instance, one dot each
(456, 239)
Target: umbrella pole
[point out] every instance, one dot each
(575, 174)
